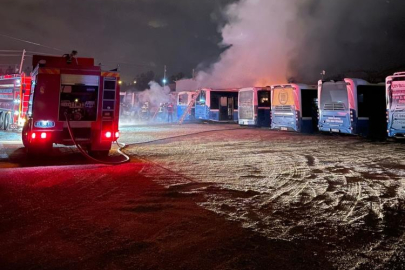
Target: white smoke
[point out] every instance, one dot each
(257, 31)
(155, 95)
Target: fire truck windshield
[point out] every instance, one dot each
(79, 101)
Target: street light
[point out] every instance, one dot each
(134, 81)
(119, 82)
(164, 81)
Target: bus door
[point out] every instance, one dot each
(371, 111)
(309, 99)
(230, 108)
(223, 109)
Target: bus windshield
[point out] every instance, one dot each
(334, 96)
(246, 98)
(397, 96)
(246, 105)
(183, 99)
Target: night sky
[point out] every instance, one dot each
(147, 34)
(271, 40)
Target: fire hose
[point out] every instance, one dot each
(84, 153)
(122, 146)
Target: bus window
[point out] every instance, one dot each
(362, 106)
(214, 101)
(183, 99)
(263, 98)
(201, 98)
(334, 96)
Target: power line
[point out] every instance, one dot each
(31, 42)
(10, 55)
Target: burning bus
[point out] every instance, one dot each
(395, 96)
(217, 105)
(254, 106)
(351, 106)
(294, 107)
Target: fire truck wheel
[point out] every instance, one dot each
(1, 120)
(99, 154)
(6, 123)
(24, 135)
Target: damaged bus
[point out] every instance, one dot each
(352, 106)
(395, 96)
(294, 107)
(217, 105)
(254, 106)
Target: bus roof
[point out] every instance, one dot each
(296, 85)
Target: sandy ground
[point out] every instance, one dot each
(344, 193)
(233, 198)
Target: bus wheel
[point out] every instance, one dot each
(1, 120)
(7, 119)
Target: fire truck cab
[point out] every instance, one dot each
(68, 91)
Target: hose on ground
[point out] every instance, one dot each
(85, 154)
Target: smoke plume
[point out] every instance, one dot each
(273, 41)
(257, 36)
(155, 95)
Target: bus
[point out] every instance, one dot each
(183, 100)
(352, 106)
(395, 97)
(294, 107)
(254, 106)
(217, 105)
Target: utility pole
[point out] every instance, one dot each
(22, 62)
(164, 77)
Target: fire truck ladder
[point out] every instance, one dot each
(189, 106)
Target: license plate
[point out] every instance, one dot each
(335, 130)
(13, 126)
(44, 124)
(284, 128)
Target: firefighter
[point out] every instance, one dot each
(170, 110)
(145, 111)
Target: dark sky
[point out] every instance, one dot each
(148, 33)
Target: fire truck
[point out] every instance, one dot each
(14, 98)
(72, 102)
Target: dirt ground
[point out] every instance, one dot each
(211, 197)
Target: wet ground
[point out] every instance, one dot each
(339, 200)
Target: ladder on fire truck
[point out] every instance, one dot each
(189, 106)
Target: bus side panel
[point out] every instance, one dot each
(214, 115)
(201, 112)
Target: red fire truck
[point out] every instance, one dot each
(72, 100)
(14, 97)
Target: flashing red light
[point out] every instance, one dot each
(108, 134)
(117, 134)
(43, 135)
(33, 135)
